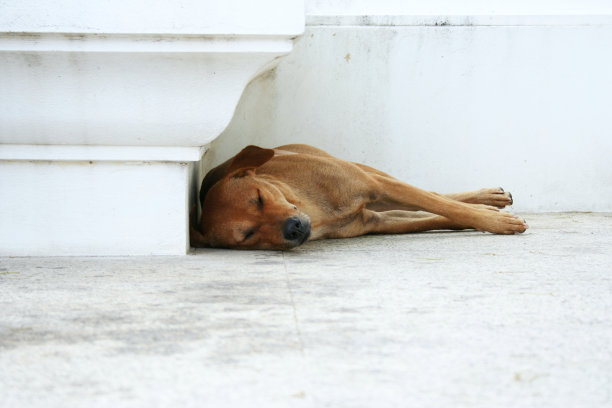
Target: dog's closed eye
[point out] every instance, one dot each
(260, 201)
(249, 233)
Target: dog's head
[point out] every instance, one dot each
(248, 211)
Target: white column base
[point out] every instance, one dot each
(96, 207)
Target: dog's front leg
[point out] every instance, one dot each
(403, 222)
(196, 238)
(395, 193)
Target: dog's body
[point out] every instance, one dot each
(280, 198)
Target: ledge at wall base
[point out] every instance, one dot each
(101, 153)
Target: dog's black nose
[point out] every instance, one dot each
(296, 230)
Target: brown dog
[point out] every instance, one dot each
(280, 198)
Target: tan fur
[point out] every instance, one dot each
(260, 197)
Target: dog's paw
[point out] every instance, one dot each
(495, 197)
(502, 222)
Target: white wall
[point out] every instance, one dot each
(454, 7)
(478, 101)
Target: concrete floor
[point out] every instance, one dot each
(453, 319)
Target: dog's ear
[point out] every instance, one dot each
(249, 158)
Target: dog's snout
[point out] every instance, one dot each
(296, 230)
(293, 229)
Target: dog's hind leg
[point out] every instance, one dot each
(496, 197)
(404, 196)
